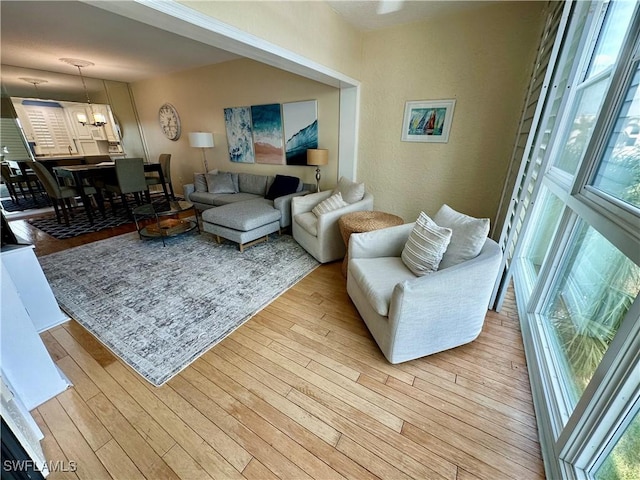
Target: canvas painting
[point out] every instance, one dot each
(238, 124)
(427, 121)
(268, 144)
(300, 130)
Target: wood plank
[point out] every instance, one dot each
(384, 442)
(52, 452)
(98, 351)
(209, 459)
(310, 378)
(186, 467)
(209, 431)
(226, 395)
(201, 393)
(53, 347)
(82, 384)
(154, 434)
(316, 436)
(257, 471)
(84, 419)
(71, 441)
(275, 400)
(118, 462)
(130, 440)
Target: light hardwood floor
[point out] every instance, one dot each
(300, 391)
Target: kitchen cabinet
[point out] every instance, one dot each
(45, 126)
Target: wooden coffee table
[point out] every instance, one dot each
(365, 221)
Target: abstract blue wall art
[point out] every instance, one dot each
(300, 130)
(238, 123)
(267, 133)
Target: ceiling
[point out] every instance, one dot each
(36, 34)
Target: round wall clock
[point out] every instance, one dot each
(169, 121)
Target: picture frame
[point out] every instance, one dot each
(428, 121)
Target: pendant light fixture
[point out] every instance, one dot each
(35, 82)
(97, 119)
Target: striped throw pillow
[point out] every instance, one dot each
(334, 202)
(426, 245)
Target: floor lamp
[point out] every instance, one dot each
(317, 157)
(202, 140)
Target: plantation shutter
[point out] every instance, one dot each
(49, 129)
(531, 142)
(12, 141)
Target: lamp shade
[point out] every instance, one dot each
(201, 139)
(317, 156)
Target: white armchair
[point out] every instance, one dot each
(409, 316)
(320, 235)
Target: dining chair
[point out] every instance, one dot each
(60, 195)
(130, 179)
(165, 166)
(11, 179)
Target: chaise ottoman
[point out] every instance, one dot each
(246, 223)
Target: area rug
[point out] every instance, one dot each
(26, 203)
(160, 308)
(79, 224)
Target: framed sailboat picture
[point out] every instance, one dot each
(428, 121)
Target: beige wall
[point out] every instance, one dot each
(309, 28)
(482, 59)
(200, 97)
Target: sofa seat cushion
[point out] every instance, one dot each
(309, 222)
(203, 197)
(243, 216)
(377, 277)
(227, 198)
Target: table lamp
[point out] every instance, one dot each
(202, 140)
(317, 157)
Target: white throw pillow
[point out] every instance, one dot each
(351, 191)
(425, 246)
(469, 235)
(332, 203)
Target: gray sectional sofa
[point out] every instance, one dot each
(244, 207)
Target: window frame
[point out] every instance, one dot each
(575, 440)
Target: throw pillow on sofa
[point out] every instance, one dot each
(425, 246)
(334, 202)
(468, 237)
(282, 185)
(200, 180)
(351, 191)
(220, 183)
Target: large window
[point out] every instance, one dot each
(590, 297)
(576, 264)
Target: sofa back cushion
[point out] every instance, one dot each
(250, 183)
(467, 237)
(220, 183)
